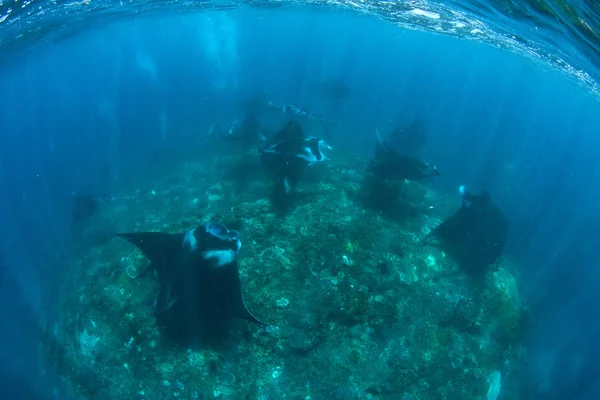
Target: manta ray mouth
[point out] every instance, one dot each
(221, 232)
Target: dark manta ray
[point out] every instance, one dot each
(259, 105)
(475, 235)
(335, 88)
(409, 139)
(199, 285)
(289, 152)
(298, 111)
(85, 204)
(246, 133)
(389, 164)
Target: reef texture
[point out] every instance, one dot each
(359, 307)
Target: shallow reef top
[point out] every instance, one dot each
(358, 306)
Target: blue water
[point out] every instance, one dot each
(112, 105)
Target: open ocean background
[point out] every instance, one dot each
(98, 97)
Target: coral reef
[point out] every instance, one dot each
(358, 307)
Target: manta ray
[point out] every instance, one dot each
(199, 285)
(288, 153)
(387, 163)
(475, 235)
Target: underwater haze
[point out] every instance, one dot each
(314, 153)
